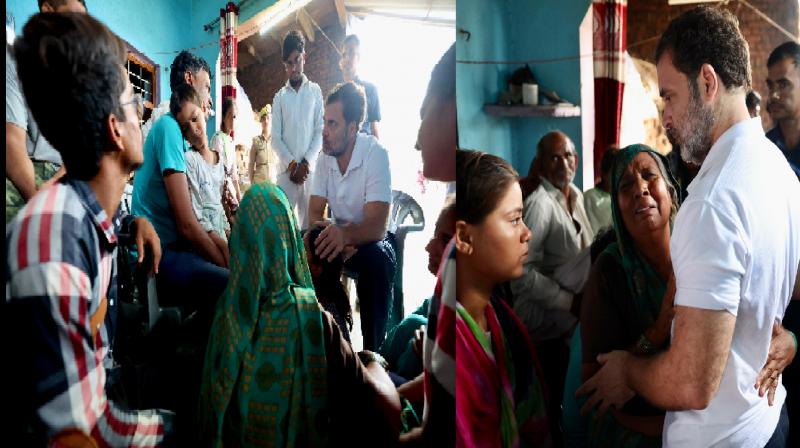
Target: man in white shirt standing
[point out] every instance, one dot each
(354, 180)
(735, 251)
(296, 127)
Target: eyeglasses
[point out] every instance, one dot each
(137, 100)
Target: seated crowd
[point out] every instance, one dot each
(264, 354)
(648, 311)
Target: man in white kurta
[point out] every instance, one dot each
(297, 128)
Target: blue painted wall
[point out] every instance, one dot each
(157, 28)
(151, 26)
(487, 23)
(516, 30)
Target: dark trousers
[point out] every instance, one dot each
(375, 265)
(791, 375)
(186, 279)
(778, 439)
(189, 282)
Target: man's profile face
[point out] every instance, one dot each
(336, 131)
(132, 136)
(783, 82)
(68, 6)
(687, 120)
(351, 54)
(201, 82)
(558, 162)
(294, 65)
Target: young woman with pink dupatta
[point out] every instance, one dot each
(500, 401)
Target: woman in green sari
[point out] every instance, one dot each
(277, 370)
(628, 298)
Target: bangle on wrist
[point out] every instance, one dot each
(794, 338)
(368, 357)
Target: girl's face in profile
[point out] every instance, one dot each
(193, 124)
(500, 241)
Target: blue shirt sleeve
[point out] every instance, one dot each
(169, 145)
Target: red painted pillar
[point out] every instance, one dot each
(610, 30)
(228, 46)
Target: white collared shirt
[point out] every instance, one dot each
(736, 247)
(297, 124)
(540, 300)
(367, 179)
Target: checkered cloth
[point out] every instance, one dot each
(60, 264)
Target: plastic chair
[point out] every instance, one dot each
(403, 207)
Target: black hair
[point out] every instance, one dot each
(443, 77)
(752, 99)
(293, 41)
(76, 62)
(57, 3)
(351, 39)
(181, 94)
(786, 50)
(607, 162)
(481, 181)
(707, 35)
(182, 63)
(353, 99)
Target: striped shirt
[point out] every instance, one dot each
(60, 263)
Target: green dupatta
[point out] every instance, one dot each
(265, 374)
(647, 288)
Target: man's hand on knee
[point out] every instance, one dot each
(330, 242)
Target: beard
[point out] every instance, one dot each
(334, 150)
(694, 137)
(562, 179)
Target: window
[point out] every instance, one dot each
(144, 76)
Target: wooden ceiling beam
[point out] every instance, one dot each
(341, 11)
(305, 23)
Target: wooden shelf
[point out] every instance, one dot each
(521, 110)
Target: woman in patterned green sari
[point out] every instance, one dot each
(273, 352)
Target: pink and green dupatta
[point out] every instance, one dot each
(499, 400)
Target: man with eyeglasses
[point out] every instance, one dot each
(783, 103)
(61, 254)
(297, 127)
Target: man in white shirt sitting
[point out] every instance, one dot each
(735, 251)
(560, 230)
(296, 127)
(556, 214)
(353, 179)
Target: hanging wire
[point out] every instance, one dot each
(316, 25)
(758, 12)
(769, 20)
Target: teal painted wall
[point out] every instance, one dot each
(517, 30)
(157, 28)
(488, 22)
(151, 26)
